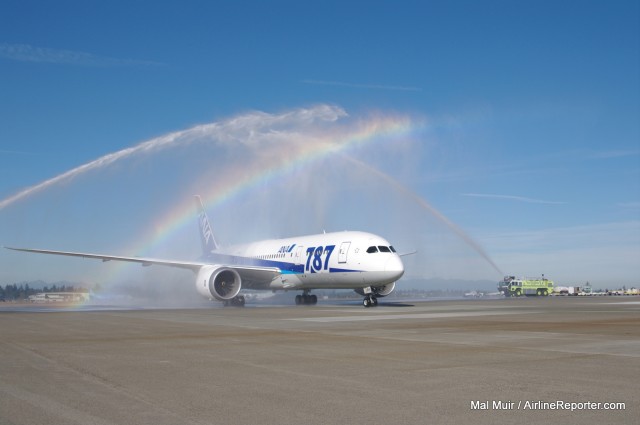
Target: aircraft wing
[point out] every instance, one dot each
(252, 273)
(144, 261)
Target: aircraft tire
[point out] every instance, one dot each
(235, 302)
(370, 301)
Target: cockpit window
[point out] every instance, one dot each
(372, 249)
(392, 249)
(384, 249)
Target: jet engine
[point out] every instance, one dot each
(221, 283)
(379, 291)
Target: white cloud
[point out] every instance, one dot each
(512, 198)
(13, 152)
(362, 86)
(29, 53)
(620, 153)
(630, 205)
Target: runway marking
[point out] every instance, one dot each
(389, 309)
(405, 316)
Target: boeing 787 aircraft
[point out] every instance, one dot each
(360, 261)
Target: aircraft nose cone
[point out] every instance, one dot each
(394, 267)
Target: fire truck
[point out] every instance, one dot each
(512, 287)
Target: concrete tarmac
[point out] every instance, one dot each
(434, 362)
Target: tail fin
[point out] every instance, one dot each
(206, 234)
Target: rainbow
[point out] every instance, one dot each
(264, 173)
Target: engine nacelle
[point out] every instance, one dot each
(221, 283)
(379, 291)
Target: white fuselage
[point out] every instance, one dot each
(340, 260)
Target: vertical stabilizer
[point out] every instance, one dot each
(206, 234)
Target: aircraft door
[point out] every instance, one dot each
(298, 255)
(344, 249)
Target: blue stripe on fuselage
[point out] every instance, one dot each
(284, 266)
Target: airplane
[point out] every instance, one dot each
(361, 261)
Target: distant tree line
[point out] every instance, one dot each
(24, 290)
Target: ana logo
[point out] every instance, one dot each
(286, 248)
(207, 234)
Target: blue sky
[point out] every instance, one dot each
(532, 142)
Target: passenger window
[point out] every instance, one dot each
(372, 249)
(384, 249)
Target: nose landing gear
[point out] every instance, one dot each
(370, 301)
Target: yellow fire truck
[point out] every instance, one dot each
(512, 287)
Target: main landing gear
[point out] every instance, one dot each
(306, 299)
(237, 301)
(370, 301)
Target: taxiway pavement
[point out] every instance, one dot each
(399, 363)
